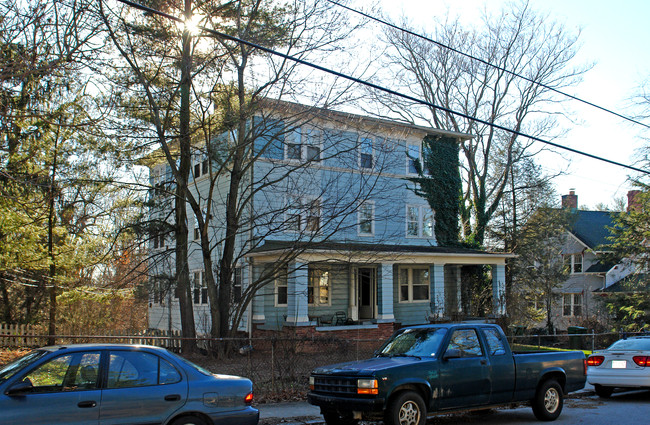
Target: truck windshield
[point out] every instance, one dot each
(414, 342)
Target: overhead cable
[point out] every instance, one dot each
(467, 55)
(384, 89)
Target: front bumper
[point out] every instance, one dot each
(346, 404)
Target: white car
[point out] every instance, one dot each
(625, 364)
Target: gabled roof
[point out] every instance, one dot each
(591, 227)
(634, 283)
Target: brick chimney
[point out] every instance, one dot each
(570, 200)
(632, 203)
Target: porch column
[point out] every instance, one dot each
(297, 284)
(259, 297)
(385, 285)
(437, 289)
(499, 289)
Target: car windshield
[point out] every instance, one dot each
(16, 366)
(419, 342)
(631, 344)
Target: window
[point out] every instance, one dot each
(128, 369)
(412, 154)
(159, 241)
(281, 291)
(302, 215)
(573, 262)
(413, 284)
(71, 372)
(466, 342)
(572, 305)
(237, 284)
(365, 153)
(199, 288)
(318, 290)
(303, 144)
(200, 165)
(419, 222)
(366, 218)
(494, 342)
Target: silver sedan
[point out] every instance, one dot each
(625, 364)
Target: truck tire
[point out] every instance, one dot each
(335, 418)
(549, 400)
(604, 392)
(407, 408)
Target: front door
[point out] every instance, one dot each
(367, 284)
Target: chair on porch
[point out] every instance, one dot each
(340, 318)
(325, 319)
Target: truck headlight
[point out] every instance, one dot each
(312, 381)
(367, 386)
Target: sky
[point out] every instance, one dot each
(614, 37)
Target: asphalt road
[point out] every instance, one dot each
(622, 408)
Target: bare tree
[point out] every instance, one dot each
(516, 41)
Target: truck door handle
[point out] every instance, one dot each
(483, 362)
(87, 404)
(172, 397)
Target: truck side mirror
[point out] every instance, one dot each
(452, 353)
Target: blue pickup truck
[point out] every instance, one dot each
(432, 369)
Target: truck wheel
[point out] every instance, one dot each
(406, 409)
(335, 418)
(548, 402)
(604, 392)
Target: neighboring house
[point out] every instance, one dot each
(588, 238)
(332, 188)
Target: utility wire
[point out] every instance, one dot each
(467, 55)
(384, 89)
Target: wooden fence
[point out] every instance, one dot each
(28, 336)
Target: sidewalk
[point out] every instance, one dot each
(290, 413)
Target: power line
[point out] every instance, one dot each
(384, 89)
(467, 55)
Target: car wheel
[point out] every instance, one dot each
(189, 420)
(406, 408)
(604, 392)
(335, 418)
(549, 400)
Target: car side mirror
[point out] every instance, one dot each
(20, 388)
(452, 353)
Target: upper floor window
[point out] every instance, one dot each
(303, 144)
(572, 305)
(302, 215)
(199, 288)
(318, 290)
(366, 153)
(412, 154)
(237, 284)
(200, 166)
(413, 284)
(366, 215)
(573, 262)
(159, 241)
(419, 221)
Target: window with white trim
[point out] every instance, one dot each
(413, 284)
(419, 221)
(366, 218)
(572, 304)
(199, 288)
(237, 284)
(200, 163)
(303, 144)
(302, 215)
(573, 262)
(318, 289)
(281, 291)
(412, 154)
(366, 153)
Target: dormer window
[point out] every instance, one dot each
(573, 262)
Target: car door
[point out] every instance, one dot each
(63, 391)
(464, 374)
(140, 388)
(502, 367)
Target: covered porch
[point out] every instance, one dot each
(335, 287)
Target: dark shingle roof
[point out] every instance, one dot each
(634, 283)
(591, 227)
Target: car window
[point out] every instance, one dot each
(494, 342)
(631, 344)
(139, 369)
(466, 342)
(70, 372)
